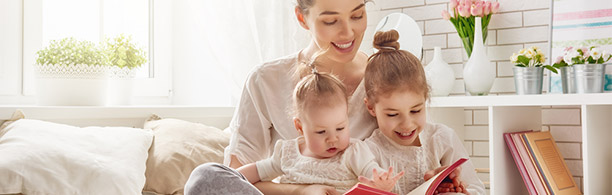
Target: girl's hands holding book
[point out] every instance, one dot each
(384, 181)
(452, 183)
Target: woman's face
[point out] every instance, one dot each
(338, 25)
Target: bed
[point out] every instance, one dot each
(95, 150)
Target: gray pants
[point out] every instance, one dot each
(214, 178)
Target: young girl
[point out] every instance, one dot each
(396, 94)
(324, 153)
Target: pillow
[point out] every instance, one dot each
(39, 157)
(178, 148)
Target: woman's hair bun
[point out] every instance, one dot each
(386, 41)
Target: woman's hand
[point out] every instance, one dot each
(385, 181)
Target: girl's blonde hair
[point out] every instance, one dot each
(318, 89)
(391, 69)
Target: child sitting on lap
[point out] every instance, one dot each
(324, 153)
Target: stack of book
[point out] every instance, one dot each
(541, 165)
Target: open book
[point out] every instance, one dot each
(427, 188)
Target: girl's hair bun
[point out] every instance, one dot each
(386, 41)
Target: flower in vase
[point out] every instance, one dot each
(463, 14)
(531, 57)
(582, 55)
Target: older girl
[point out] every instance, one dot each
(397, 91)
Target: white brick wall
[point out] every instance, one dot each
(520, 24)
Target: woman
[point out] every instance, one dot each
(337, 28)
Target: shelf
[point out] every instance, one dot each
(523, 100)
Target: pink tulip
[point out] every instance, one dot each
(476, 9)
(494, 7)
(453, 4)
(445, 15)
(487, 8)
(464, 11)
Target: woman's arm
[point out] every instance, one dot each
(234, 163)
(250, 172)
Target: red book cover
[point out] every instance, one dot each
(427, 188)
(361, 189)
(519, 162)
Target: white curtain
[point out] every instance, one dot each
(217, 43)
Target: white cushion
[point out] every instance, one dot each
(38, 157)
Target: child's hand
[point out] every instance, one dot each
(452, 183)
(384, 181)
(450, 187)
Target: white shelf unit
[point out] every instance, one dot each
(511, 113)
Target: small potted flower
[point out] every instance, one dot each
(529, 69)
(71, 73)
(582, 69)
(124, 57)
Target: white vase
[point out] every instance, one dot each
(440, 75)
(478, 72)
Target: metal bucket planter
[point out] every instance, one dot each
(528, 80)
(568, 79)
(589, 77)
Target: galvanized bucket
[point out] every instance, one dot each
(568, 79)
(528, 80)
(589, 78)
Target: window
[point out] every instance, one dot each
(93, 20)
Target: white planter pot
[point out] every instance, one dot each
(120, 85)
(78, 85)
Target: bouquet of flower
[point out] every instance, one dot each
(582, 55)
(531, 57)
(463, 14)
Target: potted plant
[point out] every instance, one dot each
(529, 69)
(124, 58)
(582, 69)
(71, 73)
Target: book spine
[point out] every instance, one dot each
(537, 163)
(519, 164)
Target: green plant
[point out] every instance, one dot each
(69, 52)
(123, 52)
(531, 57)
(582, 55)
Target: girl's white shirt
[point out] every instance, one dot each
(440, 146)
(340, 171)
(263, 113)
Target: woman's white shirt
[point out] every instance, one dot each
(440, 146)
(263, 114)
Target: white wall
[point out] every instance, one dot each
(520, 23)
